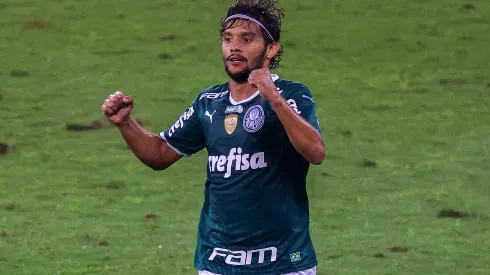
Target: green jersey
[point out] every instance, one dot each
(255, 216)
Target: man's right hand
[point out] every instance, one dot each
(117, 107)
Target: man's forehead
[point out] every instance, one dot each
(242, 26)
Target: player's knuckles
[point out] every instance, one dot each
(117, 102)
(259, 77)
(107, 110)
(113, 98)
(116, 108)
(111, 105)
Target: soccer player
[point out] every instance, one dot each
(261, 134)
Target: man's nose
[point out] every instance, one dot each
(235, 45)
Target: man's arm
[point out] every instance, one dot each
(304, 137)
(150, 149)
(155, 151)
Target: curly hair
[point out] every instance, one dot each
(267, 12)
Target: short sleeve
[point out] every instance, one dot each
(303, 103)
(186, 136)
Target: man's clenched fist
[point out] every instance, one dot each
(262, 79)
(117, 107)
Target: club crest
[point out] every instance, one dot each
(254, 119)
(231, 122)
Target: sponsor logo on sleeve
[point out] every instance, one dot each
(180, 122)
(293, 105)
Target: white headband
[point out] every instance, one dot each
(251, 19)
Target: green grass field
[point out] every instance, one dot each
(403, 96)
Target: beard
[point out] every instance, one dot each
(242, 76)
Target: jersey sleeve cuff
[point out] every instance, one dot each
(162, 136)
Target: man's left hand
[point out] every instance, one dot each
(262, 79)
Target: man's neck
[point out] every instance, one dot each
(241, 92)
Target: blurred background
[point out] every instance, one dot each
(403, 97)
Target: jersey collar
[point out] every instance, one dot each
(233, 102)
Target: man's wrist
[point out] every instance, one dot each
(277, 101)
(125, 122)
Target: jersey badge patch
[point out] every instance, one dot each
(234, 109)
(231, 122)
(295, 257)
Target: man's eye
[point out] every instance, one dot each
(227, 39)
(247, 40)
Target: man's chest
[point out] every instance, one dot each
(254, 126)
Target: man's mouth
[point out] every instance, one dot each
(236, 60)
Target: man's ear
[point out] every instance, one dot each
(272, 50)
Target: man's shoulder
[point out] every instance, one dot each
(290, 87)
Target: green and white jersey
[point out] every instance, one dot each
(255, 217)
